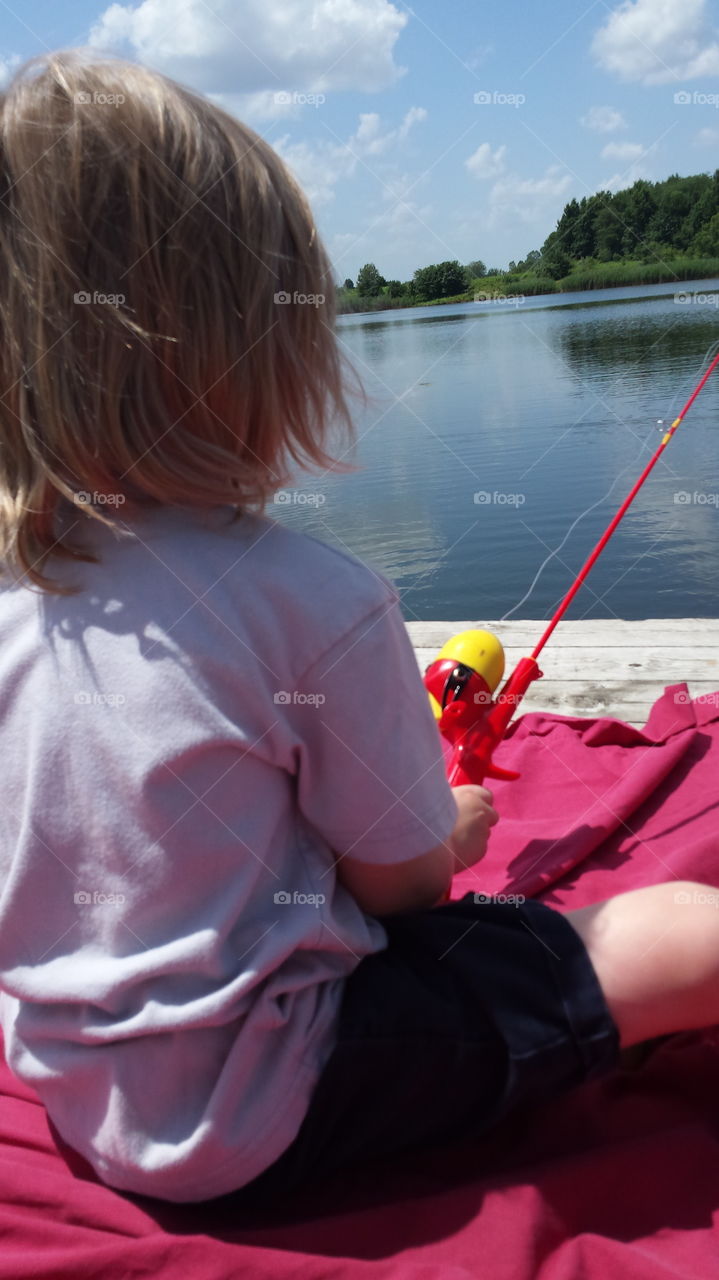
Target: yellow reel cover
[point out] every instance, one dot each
(479, 650)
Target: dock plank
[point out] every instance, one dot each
(610, 667)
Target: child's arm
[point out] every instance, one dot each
(410, 886)
(369, 767)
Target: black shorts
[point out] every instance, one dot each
(472, 1009)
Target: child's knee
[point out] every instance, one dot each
(655, 952)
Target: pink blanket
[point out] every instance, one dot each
(619, 1180)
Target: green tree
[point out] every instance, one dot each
(369, 281)
(440, 280)
(649, 221)
(453, 278)
(653, 251)
(567, 227)
(395, 288)
(706, 241)
(555, 262)
(639, 210)
(348, 284)
(476, 269)
(531, 262)
(608, 230)
(704, 205)
(425, 283)
(581, 242)
(673, 206)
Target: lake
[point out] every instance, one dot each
(493, 426)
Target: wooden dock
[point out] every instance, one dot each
(612, 668)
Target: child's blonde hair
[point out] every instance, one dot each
(167, 307)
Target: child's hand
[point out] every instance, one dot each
(471, 833)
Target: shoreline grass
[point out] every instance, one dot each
(617, 274)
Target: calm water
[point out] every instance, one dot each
(538, 409)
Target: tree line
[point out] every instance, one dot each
(648, 221)
(440, 280)
(658, 226)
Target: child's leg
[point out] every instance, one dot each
(656, 955)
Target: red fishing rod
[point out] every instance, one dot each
(470, 719)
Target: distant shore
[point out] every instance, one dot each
(505, 288)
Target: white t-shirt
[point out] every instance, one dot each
(184, 743)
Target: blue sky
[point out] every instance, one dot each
(372, 104)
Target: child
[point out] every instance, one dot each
(225, 820)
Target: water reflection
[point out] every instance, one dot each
(538, 410)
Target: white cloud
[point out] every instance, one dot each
(481, 54)
(397, 186)
(654, 41)
(627, 178)
(622, 151)
(405, 217)
(635, 168)
(320, 166)
(415, 115)
(603, 120)
(341, 244)
(369, 138)
(405, 235)
(525, 198)
(7, 67)
(260, 106)
(620, 181)
(243, 46)
(707, 138)
(485, 163)
(271, 104)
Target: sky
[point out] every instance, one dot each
(445, 130)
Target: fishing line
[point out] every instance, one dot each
(710, 358)
(618, 517)
(570, 530)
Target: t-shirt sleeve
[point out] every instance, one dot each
(371, 776)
